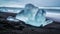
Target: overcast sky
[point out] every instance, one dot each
(39, 3)
(35, 2)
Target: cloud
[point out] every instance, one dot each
(35, 2)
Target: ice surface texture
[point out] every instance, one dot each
(32, 15)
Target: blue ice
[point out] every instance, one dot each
(34, 16)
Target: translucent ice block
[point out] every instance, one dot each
(32, 15)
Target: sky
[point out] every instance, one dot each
(39, 3)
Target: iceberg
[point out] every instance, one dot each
(32, 15)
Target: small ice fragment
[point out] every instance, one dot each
(10, 18)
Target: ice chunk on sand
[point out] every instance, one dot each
(32, 15)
